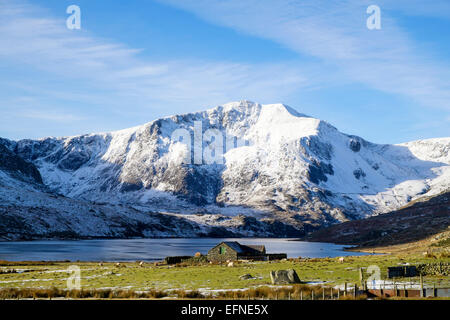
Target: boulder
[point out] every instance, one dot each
(355, 145)
(284, 277)
(247, 276)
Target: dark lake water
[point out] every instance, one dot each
(151, 249)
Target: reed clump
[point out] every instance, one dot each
(189, 294)
(50, 293)
(292, 292)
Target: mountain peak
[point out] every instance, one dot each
(274, 107)
(270, 162)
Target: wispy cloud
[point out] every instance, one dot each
(113, 74)
(50, 116)
(335, 32)
(437, 8)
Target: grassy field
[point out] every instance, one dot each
(203, 277)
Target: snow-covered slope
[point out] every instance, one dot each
(30, 211)
(279, 166)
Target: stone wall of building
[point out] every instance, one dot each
(276, 256)
(434, 269)
(176, 259)
(222, 253)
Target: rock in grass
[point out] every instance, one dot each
(247, 276)
(284, 277)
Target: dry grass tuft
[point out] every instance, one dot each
(30, 293)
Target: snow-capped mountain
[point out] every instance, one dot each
(281, 171)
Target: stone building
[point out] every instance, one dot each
(232, 250)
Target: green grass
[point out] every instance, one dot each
(442, 243)
(130, 276)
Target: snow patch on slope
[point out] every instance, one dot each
(294, 168)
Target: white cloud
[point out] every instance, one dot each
(50, 116)
(335, 32)
(437, 8)
(101, 71)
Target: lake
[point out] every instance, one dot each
(152, 249)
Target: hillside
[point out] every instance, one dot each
(414, 223)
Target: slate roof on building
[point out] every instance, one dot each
(236, 246)
(245, 249)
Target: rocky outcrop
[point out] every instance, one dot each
(284, 277)
(17, 167)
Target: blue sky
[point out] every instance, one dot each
(134, 61)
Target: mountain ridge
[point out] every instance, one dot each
(279, 166)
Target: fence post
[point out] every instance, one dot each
(301, 295)
(354, 291)
(361, 277)
(331, 293)
(339, 293)
(323, 293)
(345, 289)
(421, 286)
(312, 294)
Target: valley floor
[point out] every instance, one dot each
(208, 280)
